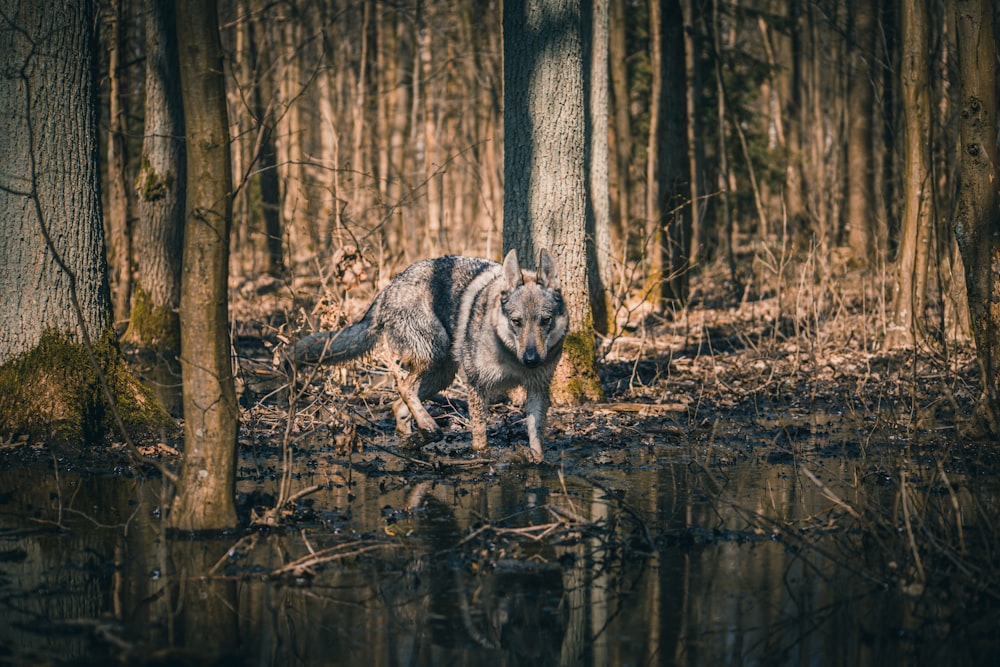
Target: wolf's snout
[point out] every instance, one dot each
(531, 358)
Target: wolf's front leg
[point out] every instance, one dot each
(536, 408)
(477, 419)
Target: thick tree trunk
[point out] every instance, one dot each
(977, 224)
(205, 490)
(60, 370)
(154, 322)
(544, 167)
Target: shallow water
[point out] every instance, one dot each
(638, 555)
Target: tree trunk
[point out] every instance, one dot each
(154, 322)
(205, 489)
(62, 377)
(119, 201)
(622, 177)
(544, 167)
(434, 232)
(977, 224)
(672, 162)
(727, 237)
(861, 204)
(288, 139)
(700, 221)
(792, 91)
(599, 209)
(654, 249)
(264, 103)
(911, 265)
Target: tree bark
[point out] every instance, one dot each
(911, 261)
(674, 175)
(792, 90)
(621, 197)
(654, 248)
(119, 200)
(154, 322)
(205, 489)
(977, 224)
(861, 204)
(544, 167)
(288, 140)
(61, 375)
(598, 233)
(265, 160)
(700, 221)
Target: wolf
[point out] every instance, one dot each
(501, 326)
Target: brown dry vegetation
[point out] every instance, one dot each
(785, 369)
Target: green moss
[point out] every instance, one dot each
(151, 185)
(152, 327)
(577, 381)
(54, 393)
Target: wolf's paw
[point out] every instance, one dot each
(419, 438)
(522, 454)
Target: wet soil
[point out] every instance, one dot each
(763, 485)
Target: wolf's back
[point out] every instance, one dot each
(336, 347)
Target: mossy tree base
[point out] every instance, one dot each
(576, 380)
(54, 393)
(152, 327)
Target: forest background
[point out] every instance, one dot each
(751, 140)
(742, 136)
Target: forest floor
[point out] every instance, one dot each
(733, 357)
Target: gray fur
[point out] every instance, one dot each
(501, 326)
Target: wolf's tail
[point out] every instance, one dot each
(335, 347)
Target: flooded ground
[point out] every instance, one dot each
(701, 545)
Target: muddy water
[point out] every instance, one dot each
(643, 555)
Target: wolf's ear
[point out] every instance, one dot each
(512, 271)
(548, 275)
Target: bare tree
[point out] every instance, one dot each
(62, 375)
(154, 321)
(911, 261)
(621, 165)
(205, 488)
(120, 204)
(861, 206)
(978, 216)
(599, 264)
(544, 166)
(668, 207)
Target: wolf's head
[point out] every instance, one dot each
(533, 313)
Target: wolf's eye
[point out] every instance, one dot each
(515, 322)
(545, 322)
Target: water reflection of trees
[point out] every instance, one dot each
(688, 562)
